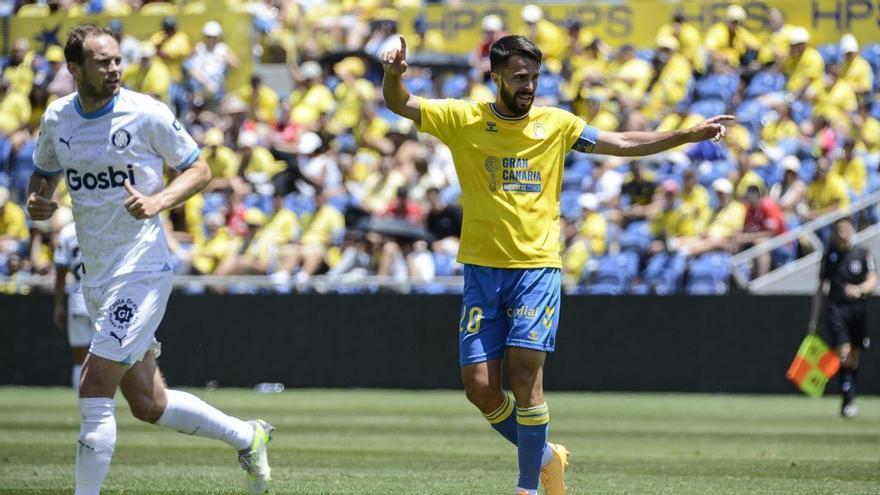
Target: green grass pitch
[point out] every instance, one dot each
(341, 442)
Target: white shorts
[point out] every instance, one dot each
(126, 312)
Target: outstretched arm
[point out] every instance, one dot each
(648, 143)
(397, 97)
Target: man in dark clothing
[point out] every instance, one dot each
(847, 276)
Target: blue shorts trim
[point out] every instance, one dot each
(505, 307)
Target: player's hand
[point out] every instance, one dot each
(713, 128)
(59, 316)
(394, 60)
(852, 291)
(139, 205)
(39, 206)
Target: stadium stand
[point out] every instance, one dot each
(299, 175)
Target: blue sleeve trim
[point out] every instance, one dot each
(46, 173)
(586, 143)
(189, 160)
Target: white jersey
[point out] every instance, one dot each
(128, 139)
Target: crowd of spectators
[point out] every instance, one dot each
(326, 181)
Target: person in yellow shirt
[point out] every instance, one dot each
(427, 39)
(173, 47)
(628, 75)
(351, 93)
(261, 100)
(868, 131)
(855, 70)
(672, 221)
(670, 85)
(149, 75)
(695, 200)
(318, 235)
(833, 97)
(14, 233)
(747, 176)
(783, 128)
(264, 247)
(550, 38)
(690, 41)
(730, 40)
(224, 163)
(311, 99)
(14, 106)
(774, 47)
(575, 252)
(727, 221)
(851, 168)
(827, 193)
(220, 244)
(592, 105)
(508, 155)
(19, 67)
(256, 162)
(594, 226)
(587, 68)
(804, 64)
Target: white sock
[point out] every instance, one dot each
(97, 438)
(190, 415)
(547, 456)
(75, 373)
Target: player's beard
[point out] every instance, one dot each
(96, 89)
(512, 102)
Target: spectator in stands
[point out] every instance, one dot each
(443, 222)
(210, 62)
(747, 176)
(727, 221)
(851, 168)
(695, 200)
(594, 227)
(149, 75)
(264, 249)
(827, 193)
(492, 28)
(689, 40)
(224, 163)
(804, 64)
(867, 128)
(405, 208)
(637, 194)
(173, 47)
(15, 108)
(763, 221)
(672, 73)
(129, 46)
(547, 35)
(59, 82)
(351, 94)
(672, 221)
(384, 33)
(318, 163)
(855, 70)
(833, 97)
(781, 131)
(606, 182)
(311, 99)
(776, 42)
(260, 100)
(629, 76)
(256, 163)
(20, 67)
(320, 231)
(575, 252)
(220, 244)
(14, 234)
(426, 39)
(789, 193)
(730, 40)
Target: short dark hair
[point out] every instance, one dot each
(73, 49)
(841, 220)
(508, 46)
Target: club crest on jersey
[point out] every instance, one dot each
(121, 139)
(123, 313)
(540, 133)
(855, 267)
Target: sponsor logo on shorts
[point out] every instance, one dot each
(522, 312)
(123, 313)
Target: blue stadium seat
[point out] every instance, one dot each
(750, 113)
(419, 85)
(708, 108)
(709, 274)
(575, 173)
(871, 53)
(830, 53)
(717, 87)
(22, 169)
(444, 264)
(764, 82)
(455, 86)
(299, 203)
(664, 273)
(548, 86)
(568, 204)
(635, 238)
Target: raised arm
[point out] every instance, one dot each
(648, 143)
(397, 97)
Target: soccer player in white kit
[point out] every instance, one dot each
(71, 315)
(110, 145)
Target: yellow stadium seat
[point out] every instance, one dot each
(159, 8)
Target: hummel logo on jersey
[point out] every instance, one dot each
(67, 142)
(102, 180)
(491, 126)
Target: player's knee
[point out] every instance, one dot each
(147, 409)
(479, 392)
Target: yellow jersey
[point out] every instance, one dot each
(510, 171)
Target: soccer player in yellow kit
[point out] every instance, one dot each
(509, 159)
